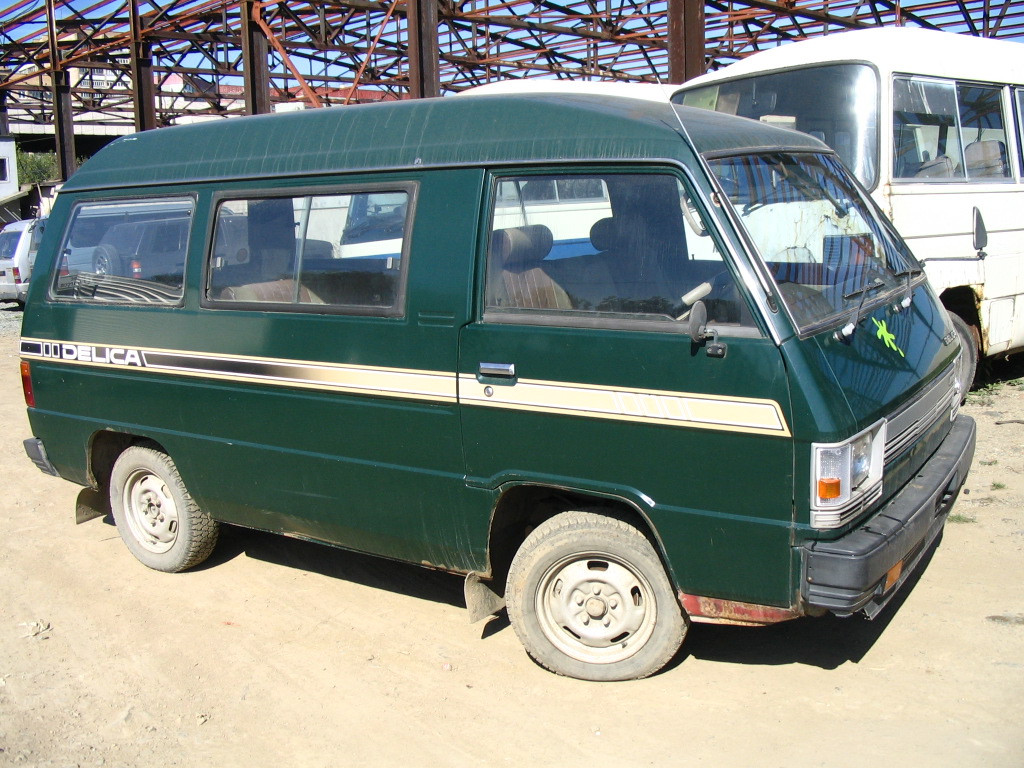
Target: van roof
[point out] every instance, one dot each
(908, 50)
(486, 130)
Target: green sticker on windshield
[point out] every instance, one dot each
(887, 336)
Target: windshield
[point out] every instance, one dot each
(820, 238)
(837, 103)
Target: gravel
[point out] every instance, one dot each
(10, 320)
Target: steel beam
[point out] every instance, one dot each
(424, 72)
(60, 92)
(255, 67)
(685, 40)
(143, 91)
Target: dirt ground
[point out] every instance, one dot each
(282, 653)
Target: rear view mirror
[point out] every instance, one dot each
(980, 234)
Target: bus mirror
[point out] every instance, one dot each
(980, 234)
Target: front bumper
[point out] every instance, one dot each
(862, 570)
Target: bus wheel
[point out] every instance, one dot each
(157, 519)
(590, 599)
(969, 359)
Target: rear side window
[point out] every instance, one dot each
(322, 252)
(126, 251)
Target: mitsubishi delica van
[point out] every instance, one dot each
(624, 364)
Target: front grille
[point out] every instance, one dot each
(940, 400)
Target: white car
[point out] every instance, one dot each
(19, 241)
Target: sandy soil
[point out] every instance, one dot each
(278, 652)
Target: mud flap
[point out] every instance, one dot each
(481, 599)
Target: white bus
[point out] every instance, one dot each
(932, 123)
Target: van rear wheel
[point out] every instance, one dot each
(157, 518)
(589, 598)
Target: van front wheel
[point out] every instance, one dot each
(590, 599)
(157, 518)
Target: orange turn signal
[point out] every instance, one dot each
(829, 488)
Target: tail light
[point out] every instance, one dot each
(26, 384)
(136, 268)
(17, 276)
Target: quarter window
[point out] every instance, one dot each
(312, 252)
(126, 251)
(613, 249)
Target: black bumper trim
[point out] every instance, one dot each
(848, 574)
(35, 450)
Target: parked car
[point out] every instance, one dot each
(19, 242)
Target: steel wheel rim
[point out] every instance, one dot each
(101, 265)
(596, 608)
(150, 511)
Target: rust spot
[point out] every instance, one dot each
(710, 610)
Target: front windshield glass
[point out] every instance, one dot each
(837, 103)
(819, 237)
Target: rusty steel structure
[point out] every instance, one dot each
(121, 65)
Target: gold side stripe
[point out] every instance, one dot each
(734, 414)
(437, 386)
(680, 409)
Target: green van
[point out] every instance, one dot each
(624, 364)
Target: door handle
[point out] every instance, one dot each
(499, 370)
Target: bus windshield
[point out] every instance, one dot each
(837, 103)
(822, 241)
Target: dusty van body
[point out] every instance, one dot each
(626, 365)
(19, 242)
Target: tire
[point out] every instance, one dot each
(589, 598)
(969, 344)
(157, 519)
(105, 261)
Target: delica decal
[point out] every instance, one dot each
(84, 353)
(888, 337)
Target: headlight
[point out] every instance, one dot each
(846, 476)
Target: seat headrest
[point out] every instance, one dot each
(985, 158)
(521, 248)
(604, 234)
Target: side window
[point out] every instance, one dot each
(983, 132)
(1019, 94)
(945, 130)
(126, 251)
(617, 248)
(312, 252)
(925, 133)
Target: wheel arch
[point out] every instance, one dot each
(522, 507)
(104, 448)
(965, 302)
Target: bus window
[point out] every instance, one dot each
(1020, 127)
(983, 133)
(837, 103)
(945, 130)
(926, 142)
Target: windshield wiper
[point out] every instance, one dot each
(908, 294)
(847, 330)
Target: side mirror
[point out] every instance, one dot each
(698, 322)
(699, 333)
(980, 234)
